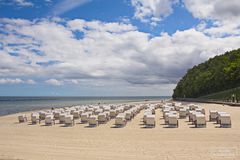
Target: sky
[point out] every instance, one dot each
(109, 47)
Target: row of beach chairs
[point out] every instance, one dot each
(221, 118)
(93, 115)
(195, 114)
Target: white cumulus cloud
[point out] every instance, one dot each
(113, 54)
(224, 15)
(54, 82)
(153, 11)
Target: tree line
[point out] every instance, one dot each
(217, 74)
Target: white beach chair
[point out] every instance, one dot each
(212, 115)
(76, 114)
(42, 115)
(150, 121)
(56, 114)
(146, 112)
(218, 116)
(35, 118)
(120, 120)
(192, 107)
(182, 113)
(200, 120)
(172, 120)
(96, 112)
(69, 120)
(225, 120)
(49, 119)
(113, 113)
(102, 117)
(93, 120)
(62, 118)
(85, 116)
(22, 118)
(128, 115)
(194, 116)
(190, 115)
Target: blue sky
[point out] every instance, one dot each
(103, 10)
(109, 48)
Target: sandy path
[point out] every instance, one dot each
(23, 141)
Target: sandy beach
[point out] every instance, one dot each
(133, 142)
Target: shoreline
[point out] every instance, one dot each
(120, 103)
(11, 105)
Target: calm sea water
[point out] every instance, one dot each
(9, 105)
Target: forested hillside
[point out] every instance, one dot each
(217, 74)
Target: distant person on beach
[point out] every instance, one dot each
(233, 98)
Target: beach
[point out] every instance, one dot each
(133, 142)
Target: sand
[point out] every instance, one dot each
(39, 142)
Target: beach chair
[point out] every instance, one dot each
(192, 107)
(177, 106)
(172, 120)
(76, 114)
(42, 115)
(194, 116)
(85, 116)
(150, 121)
(90, 109)
(200, 120)
(182, 113)
(146, 112)
(35, 118)
(113, 113)
(225, 120)
(165, 111)
(166, 117)
(190, 115)
(120, 120)
(62, 118)
(212, 115)
(22, 118)
(218, 116)
(56, 114)
(49, 119)
(106, 108)
(128, 115)
(69, 120)
(93, 120)
(72, 109)
(96, 112)
(102, 117)
(203, 111)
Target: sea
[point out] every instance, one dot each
(10, 105)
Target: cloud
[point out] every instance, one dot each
(224, 15)
(16, 81)
(54, 82)
(23, 3)
(105, 54)
(19, 3)
(67, 5)
(152, 11)
(30, 81)
(10, 81)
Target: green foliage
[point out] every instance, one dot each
(217, 74)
